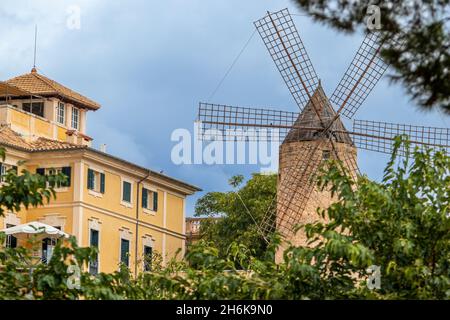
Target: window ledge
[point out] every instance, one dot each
(126, 204)
(148, 211)
(95, 193)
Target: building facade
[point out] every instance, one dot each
(127, 211)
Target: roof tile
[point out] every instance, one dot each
(9, 137)
(40, 85)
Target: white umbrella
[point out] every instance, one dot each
(35, 228)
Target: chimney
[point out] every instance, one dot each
(103, 147)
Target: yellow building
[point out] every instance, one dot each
(127, 211)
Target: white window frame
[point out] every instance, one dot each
(143, 256)
(95, 224)
(92, 227)
(4, 170)
(57, 170)
(8, 238)
(149, 207)
(147, 241)
(96, 191)
(126, 234)
(75, 123)
(61, 113)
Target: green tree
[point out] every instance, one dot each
(241, 212)
(400, 224)
(422, 64)
(26, 189)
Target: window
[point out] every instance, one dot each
(4, 168)
(54, 172)
(67, 171)
(149, 199)
(11, 241)
(61, 113)
(93, 263)
(36, 108)
(96, 181)
(148, 256)
(326, 154)
(48, 245)
(3, 171)
(125, 252)
(126, 191)
(75, 118)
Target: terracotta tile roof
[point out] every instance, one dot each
(9, 137)
(43, 144)
(38, 84)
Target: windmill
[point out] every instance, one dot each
(316, 132)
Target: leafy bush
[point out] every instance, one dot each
(400, 224)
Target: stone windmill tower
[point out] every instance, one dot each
(310, 146)
(317, 131)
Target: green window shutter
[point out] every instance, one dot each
(124, 251)
(144, 198)
(94, 238)
(155, 201)
(40, 171)
(126, 191)
(102, 182)
(90, 180)
(67, 171)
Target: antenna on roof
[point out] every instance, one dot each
(35, 46)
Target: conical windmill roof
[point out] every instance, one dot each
(308, 118)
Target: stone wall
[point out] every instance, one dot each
(298, 198)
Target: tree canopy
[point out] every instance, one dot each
(240, 212)
(422, 62)
(399, 225)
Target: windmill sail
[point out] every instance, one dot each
(364, 72)
(378, 136)
(286, 48)
(216, 120)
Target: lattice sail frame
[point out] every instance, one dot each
(229, 123)
(287, 50)
(369, 135)
(364, 72)
(379, 136)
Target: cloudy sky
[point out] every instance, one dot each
(149, 63)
